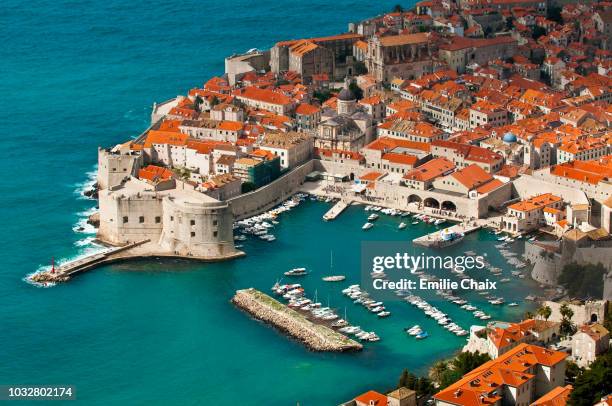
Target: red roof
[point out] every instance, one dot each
(372, 398)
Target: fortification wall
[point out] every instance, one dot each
(125, 219)
(197, 228)
(114, 168)
(527, 186)
(270, 195)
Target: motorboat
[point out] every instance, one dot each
(402, 225)
(334, 278)
(422, 335)
(367, 226)
(296, 272)
(373, 217)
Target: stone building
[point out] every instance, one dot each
(341, 46)
(406, 56)
(309, 59)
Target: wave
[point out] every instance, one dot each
(86, 249)
(87, 184)
(82, 226)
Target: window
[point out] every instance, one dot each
(193, 233)
(141, 219)
(157, 219)
(192, 222)
(215, 222)
(215, 233)
(125, 219)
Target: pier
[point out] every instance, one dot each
(65, 271)
(315, 336)
(430, 240)
(335, 211)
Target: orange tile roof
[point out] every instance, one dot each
(472, 176)
(430, 170)
(404, 159)
(535, 203)
(489, 186)
(372, 398)
(264, 95)
(231, 125)
(388, 144)
(482, 385)
(558, 396)
(154, 173)
(584, 171)
(371, 176)
(306, 109)
(165, 137)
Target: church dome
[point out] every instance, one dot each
(346, 95)
(509, 138)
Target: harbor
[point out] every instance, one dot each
(218, 330)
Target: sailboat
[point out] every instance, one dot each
(333, 278)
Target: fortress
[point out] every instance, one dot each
(175, 218)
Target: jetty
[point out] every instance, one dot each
(316, 337)
(65, 271)
(335, 211)
(430, 239)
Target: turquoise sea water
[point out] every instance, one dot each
(78, 74)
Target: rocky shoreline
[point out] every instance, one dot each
(315, 336)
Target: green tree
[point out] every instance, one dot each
(460, 365)
(566, 327)
(322, 95)
(356, 90)
(553, 13)
(594, 383)
(197, 103)
(528, 315)
(572, 370)
(360, 68)
(544, 312)
(214, 101)
(398, 8)
(537, 32)
(437, 370)
(583, 281)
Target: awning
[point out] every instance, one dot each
(358, 188)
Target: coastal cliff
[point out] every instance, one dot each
(315, 336)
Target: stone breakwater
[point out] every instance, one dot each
(315, 336)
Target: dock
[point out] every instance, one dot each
(316, 337)
(430, 240)
(66, 270)
(335, 211)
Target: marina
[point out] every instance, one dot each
(293, 226)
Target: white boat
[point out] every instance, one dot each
(439, 221)
(367, 226)
(296, 272)
(402, 226)
(334, 278)
(384, 313)
(372, 217)
(513, 304)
